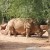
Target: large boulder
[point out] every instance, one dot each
(22, 26)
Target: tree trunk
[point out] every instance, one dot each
(3, 20)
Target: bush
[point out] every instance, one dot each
(42, 22)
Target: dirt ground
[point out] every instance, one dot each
(23, 43)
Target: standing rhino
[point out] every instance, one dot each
(22, 26)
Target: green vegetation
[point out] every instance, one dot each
(39, 9)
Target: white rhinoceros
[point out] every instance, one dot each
(22, 26)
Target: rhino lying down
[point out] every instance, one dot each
(22, 26)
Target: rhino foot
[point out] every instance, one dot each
(28, 35)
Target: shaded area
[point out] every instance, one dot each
(20, 46)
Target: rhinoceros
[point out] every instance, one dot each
(22, 26)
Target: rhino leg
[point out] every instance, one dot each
(40, 33)
(27, 32)
(9, 31)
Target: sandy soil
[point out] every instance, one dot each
(23, 43)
